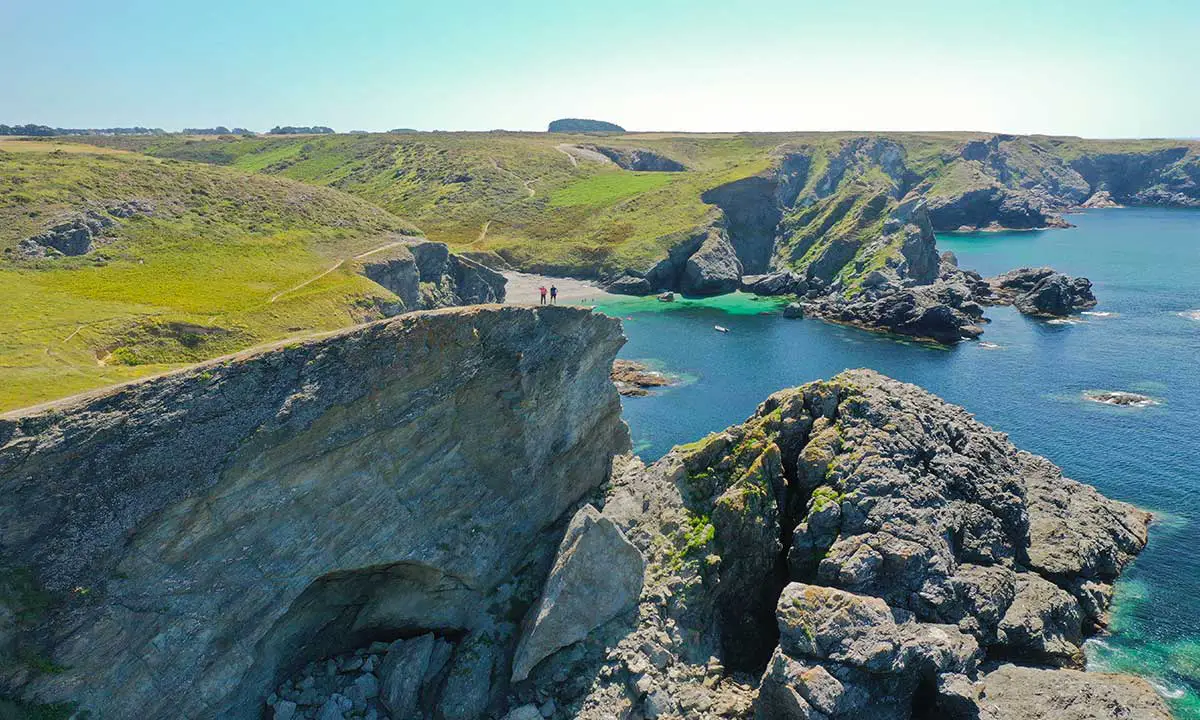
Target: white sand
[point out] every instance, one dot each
(522, 289)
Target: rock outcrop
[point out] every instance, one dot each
(637, 159)
(73, 236)
(176, 547)
(1041, 292)
(425, 275)
(857, 548)
(714, 269)
(595, 555)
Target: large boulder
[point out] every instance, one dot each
(714, 268)
(596, 576)
(180, 543)
(1012, 692)
(1042, 291)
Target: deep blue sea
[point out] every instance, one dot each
(1026, 377)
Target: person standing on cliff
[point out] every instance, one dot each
(553, 295)
(542, 290)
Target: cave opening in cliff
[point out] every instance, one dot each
(345, 610)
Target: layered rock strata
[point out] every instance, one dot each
(176, 547)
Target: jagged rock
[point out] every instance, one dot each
(201, 482)
(1012, 692)
(424, 275)
(628, 284)
(793, 310)
(596, 576)
(131, 209)
(1042, 292)
(1043, 623)
(469, 683)
(713, 269)
(777, 283)
(932, 540)
(73, 237)
(1101, 199)
(525, 712)
(634, 379)
(403, 671)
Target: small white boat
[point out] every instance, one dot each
(718, 328)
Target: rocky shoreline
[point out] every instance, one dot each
(856, 548)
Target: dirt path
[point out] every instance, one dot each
(338, 264)
(483, 232)
(527, 183)
(576, 153)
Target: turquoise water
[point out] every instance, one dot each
(1026, 378)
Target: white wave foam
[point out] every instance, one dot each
(1098, 313)
(1063, 321)
(1190, 314)
(990, 346)
(1168, 690)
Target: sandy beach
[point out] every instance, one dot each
(522, 289)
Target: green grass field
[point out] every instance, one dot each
(250, 235)
(208, 273)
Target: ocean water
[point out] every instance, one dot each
(1026, 377)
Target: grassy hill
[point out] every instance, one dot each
(216, 260)
(247, 237)
(541, 205)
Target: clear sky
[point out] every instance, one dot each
(1097, 68)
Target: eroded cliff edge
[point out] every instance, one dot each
(857, 548)
(439, 511)
(171, 548)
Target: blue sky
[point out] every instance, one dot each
(1102, 68)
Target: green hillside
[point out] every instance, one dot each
(207, 261)
(542, 205)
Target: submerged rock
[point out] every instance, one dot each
(634, 379)
(1119, 397)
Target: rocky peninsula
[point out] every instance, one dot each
(436, 515)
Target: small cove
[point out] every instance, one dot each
(1027, 378)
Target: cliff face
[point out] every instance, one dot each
(857, 548)
(172, 548)
(425, 275)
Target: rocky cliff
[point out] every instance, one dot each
(857, 548)
(425, 275)
(176, 547)
(411, 519)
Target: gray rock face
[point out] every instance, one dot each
(783, 282)
(1042, 292)
(72, 237)
(596, 576)
(425, 275)
(629, 284)
(923, 542)
(1011, 692)
(638, 159)
(714, 268)
(185, 540)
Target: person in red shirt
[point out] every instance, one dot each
(542, 290)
